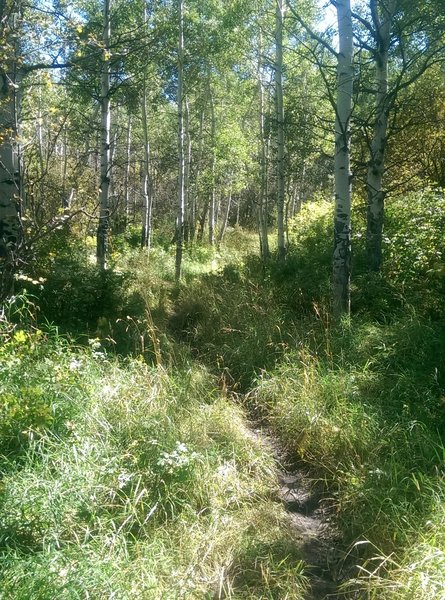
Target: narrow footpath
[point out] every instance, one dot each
(310, 518)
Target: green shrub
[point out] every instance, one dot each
(415, 248)
(39, 386)
(76, 294)
(129, 239)
(304, 279)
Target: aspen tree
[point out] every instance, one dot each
(263, 199)
(104, 208)
(279, 116)
(225, 220)
(10, 180)
(342, 217)
(212, 202)
(413, 34)
(382, 16)
(147, 198)
(189, 203)
(127, 171)
(181, 145)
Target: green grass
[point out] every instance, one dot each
(361, 402)
(139, 477)
(134, 481)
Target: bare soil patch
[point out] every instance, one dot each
(312, 521)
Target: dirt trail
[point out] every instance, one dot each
(311, 521)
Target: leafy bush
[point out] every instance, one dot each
(415, 248)
(304, 279)
(130, 238)
(73, 293)
(35, 399)
(413, 251)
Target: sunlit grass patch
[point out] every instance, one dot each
(154, 487)
(416, 571)
(368, 423)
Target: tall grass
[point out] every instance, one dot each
(361, 402)
(132, 481)
(138, 478)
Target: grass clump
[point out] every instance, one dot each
(417, 571)
(144, 483)
(367, 422)
(233, 321)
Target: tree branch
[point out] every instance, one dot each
(311, 32)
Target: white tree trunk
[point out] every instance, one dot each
(193, 193)
(376, 195)
(146, 188)
(127, 173)
(181, 146)
(188, 204)
(223, 228)
(279, 115)
(263, 200)
(342, 217)
(104, 209)
(212, 201)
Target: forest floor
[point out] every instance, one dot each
(223, 440)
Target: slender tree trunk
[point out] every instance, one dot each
(218, 200)
(296, 197)
(301, 196)
(66, 197)
(181, 145)
(197, 171)
(104, 208)
(342, 218)
(262, 207)
(9, 168)
(212, 201)
(202, 222)
(279, 115)
(40, 144)
(127, 174)
(188, 159)
(267, 145)
(146, 188)
(376, 168)
(223, 227)
(113, 194)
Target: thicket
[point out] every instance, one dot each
(138, 476)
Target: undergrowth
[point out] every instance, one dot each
(137, 477)
(362, 402)
(125, 480)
